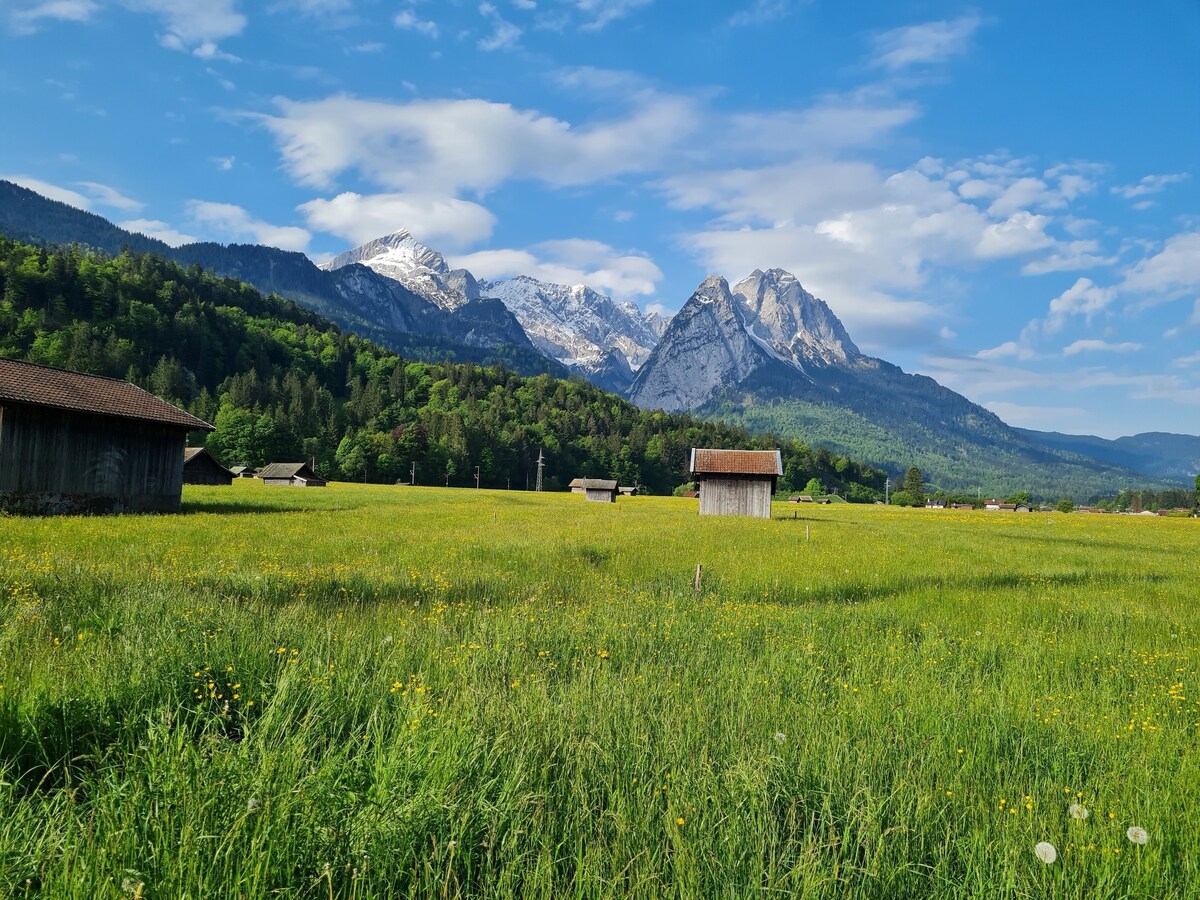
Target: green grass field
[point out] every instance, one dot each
(406, 692)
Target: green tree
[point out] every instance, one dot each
(914, 484)
(1198, 490)
(1066, 505)
(814, 488)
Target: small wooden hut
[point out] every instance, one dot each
(244, 471)
(201, 467)
(294, 474)
(576, 485)
(627, 491)
(736, 482)
(600, 490)
(71, 442)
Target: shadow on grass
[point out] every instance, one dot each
(191, 507)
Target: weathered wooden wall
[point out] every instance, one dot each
(600, 496)
(58, 461)
(204, 470)
(734, 495)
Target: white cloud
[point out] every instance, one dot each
(504, 34)
(1151, 184)
(760, 12)
(193, 25)
(53, 191)
(1083, 298)
(570, 262)
(408, 20)
(436, 220)
(1023, 232)
(1173, 270)
(1092, 346)
(1037, 417)
(1009, 349)
(232, 223)
(224, 163)
(110, 197)
(157, 229)
(1183, 362)
(447, 146)
(931, 42)
(599, 13)
(26, 17)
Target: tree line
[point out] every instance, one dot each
(280, 383)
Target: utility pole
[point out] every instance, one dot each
(477, 478)
(412, 474)
(541, 466)
(887, 487)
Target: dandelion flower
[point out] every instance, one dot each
(780, 737)
(1137, 835)
(679, 821)
(1077, 811)
(1045, 852)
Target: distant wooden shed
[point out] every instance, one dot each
(601, 490)
(201, 467)
(627, 491)
(294, 474)
(71, 442)
(576, 485)
(244, 471)
(736, 482)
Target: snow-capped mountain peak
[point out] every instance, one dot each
(423, 271)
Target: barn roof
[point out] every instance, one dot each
(190, 453)
(576, 482)
(22, 382)
(599, 484)
(286, 470)
(736, 462)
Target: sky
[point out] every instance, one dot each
(1005, 198)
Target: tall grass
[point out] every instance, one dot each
(399, 692)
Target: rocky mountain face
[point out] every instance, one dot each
(721, 336)
(576, 325)
(403, 258)
(587, 332)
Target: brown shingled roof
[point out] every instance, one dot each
(36, 385)
(736, 462)
(599, 484)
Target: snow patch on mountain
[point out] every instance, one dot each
(423, 271)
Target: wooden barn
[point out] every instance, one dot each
(294, 474)
(736, 482)
(600, 490)
(576, 485)
(201, 467)
(71, 442)
(244, 471)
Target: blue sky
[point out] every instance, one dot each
(1006, 199)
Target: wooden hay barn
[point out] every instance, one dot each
(201, 467)
(600, 490)
(736, 482)
(71, 442)
(294, 474)
(244, 471)
(576, 485)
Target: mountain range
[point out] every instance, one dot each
(764, 353)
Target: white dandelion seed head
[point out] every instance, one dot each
(131, 884)
(1078, 811)
(1137, 835)
(780, 737)
(252, 805)
(1045, 852)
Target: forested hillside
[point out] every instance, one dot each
(282, 383)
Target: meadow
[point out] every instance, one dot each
(369, 691)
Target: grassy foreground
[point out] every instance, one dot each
(407, 692)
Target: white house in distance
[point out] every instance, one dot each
(736, 482)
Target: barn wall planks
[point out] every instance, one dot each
(58, 461)
(733, 495)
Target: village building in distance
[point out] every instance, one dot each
(736, 482)
(201, 467)
(294, 474)
(71, 442)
